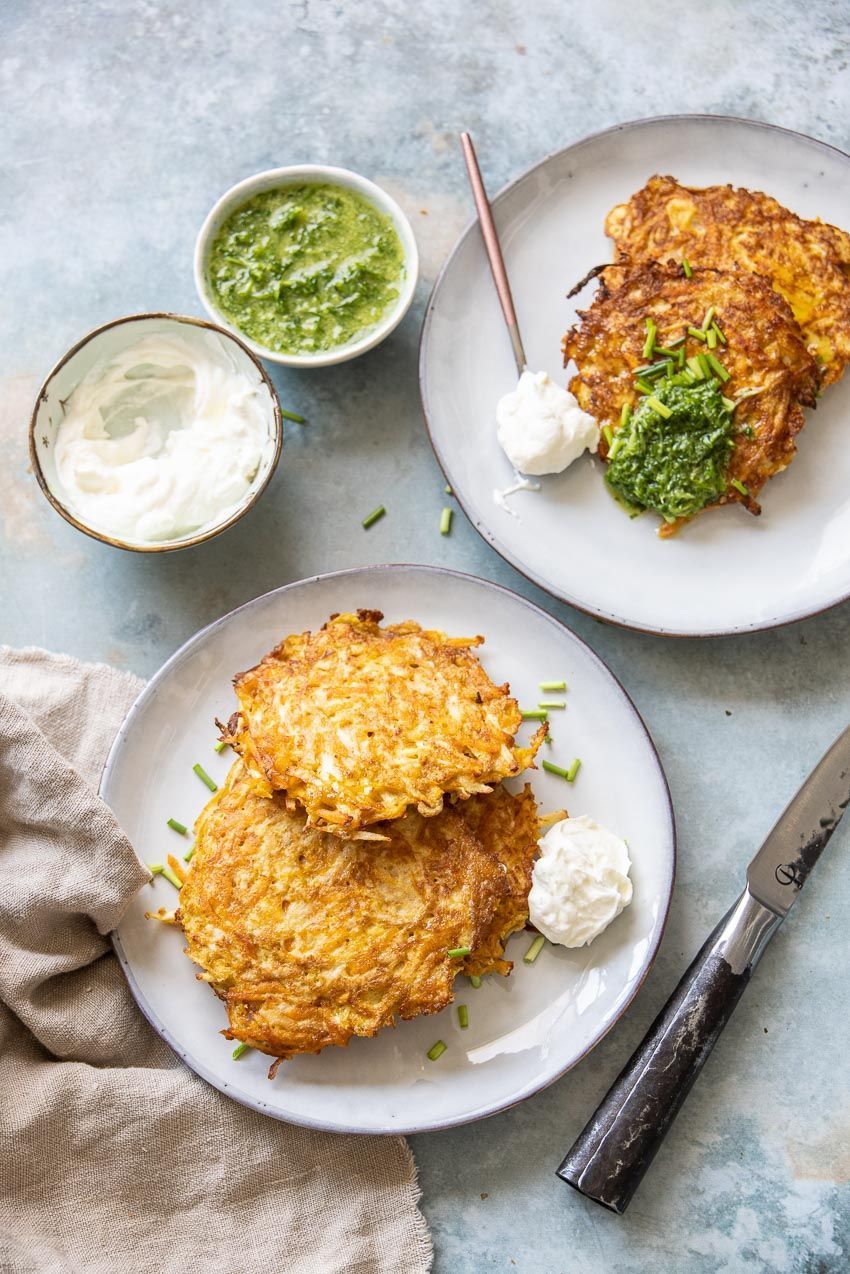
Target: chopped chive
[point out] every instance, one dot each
(448, 489)
(740, 486)
(686, 266)
(644, 386)
(457, 953)
(678, 343)
(204, 777)
(534, 714)
(175, 826)
(728, 403)
(549, 739)
(695, 367)
(608, 434)
(554, 769)
(239, 1050)
(717, 367)
(292, 415)
(705, 365)
(652, 369)
(446, 521)
(658, 407)
(187, 857)
(680, 357)
(615, 447)
(669, 351)
(534, 950)
(709, 315)
(475, 980)
(373, 517)
(573, 770)
(462, 1016)
(718, 333)
(697, 333)
(172, 877)
(552, 703)
(651, 329)
(155, 869)
(220, 746)
(625, 417)
(553, 685)
(712, 338)
(436, 1050)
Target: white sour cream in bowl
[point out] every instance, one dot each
(156, 432)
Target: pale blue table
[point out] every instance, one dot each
(122, 122)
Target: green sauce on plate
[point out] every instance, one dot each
(305, 268)
(674, 465)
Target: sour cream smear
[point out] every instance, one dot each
(541, 427)
(580, 882)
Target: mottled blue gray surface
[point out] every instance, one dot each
(121, 124)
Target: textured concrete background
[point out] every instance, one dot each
(122, 123)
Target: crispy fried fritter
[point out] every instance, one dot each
(764, 355)
(357, 722)
(808, 262)
(311, 938)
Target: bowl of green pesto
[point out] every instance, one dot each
(308, 265)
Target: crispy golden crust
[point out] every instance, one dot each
(765, 353)
(310, 938)
(357, 722)
(808, 262)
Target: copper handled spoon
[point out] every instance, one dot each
(493, 249)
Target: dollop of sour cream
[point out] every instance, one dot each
(580, 882)
(162, 439)
(541, 427)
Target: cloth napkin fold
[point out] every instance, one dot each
(114, 1157)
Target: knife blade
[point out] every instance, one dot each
(611, 1154)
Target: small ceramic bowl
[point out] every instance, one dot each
(106, 342)
(274, 179)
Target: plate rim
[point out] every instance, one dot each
(199, 1067)
(489, 536)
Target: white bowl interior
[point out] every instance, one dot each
(276, 179)
(106, 344)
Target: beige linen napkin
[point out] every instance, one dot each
(114, 1157)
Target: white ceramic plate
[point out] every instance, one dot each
(524, 1030)
(726, 573)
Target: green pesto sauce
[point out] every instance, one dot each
(305, 268)
(675, 466)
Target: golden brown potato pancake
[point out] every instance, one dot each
(808, 262)
(310, 938)
(765, 356)
(357, 722)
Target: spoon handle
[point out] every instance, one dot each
(493, 248)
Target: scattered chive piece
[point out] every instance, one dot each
(220, 746)
(695, 367)
(457, 953)
(554, 769)
(187, 857)
(435, 1051)
(709, 316)
(648, 344)
(549, 739)
(697, 333)
(445, 521)
(573, 770)
(643, 385)
(177, 827)
(535, 714)
(171, 877)
(448, 490)
(475, 980)
(553, 685)
(686, 266)
(659, 407)
(155, 869)
(718, 333)
(728, 403)
(625, 417)
(717, 367)
(204, 777)
(373, 517)
(705, 365)
(711, 338)
(740, 486)
(679, 341)
(552, 703)
(669, 351)
(652, 369)
(614, 448)
(239, 1050)
(462, 1016)
(534, 950)
(680, 357)
(608, 434)
(292, 415)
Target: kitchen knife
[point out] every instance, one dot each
(617, 1145)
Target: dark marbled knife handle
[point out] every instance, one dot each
(618, 1144)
